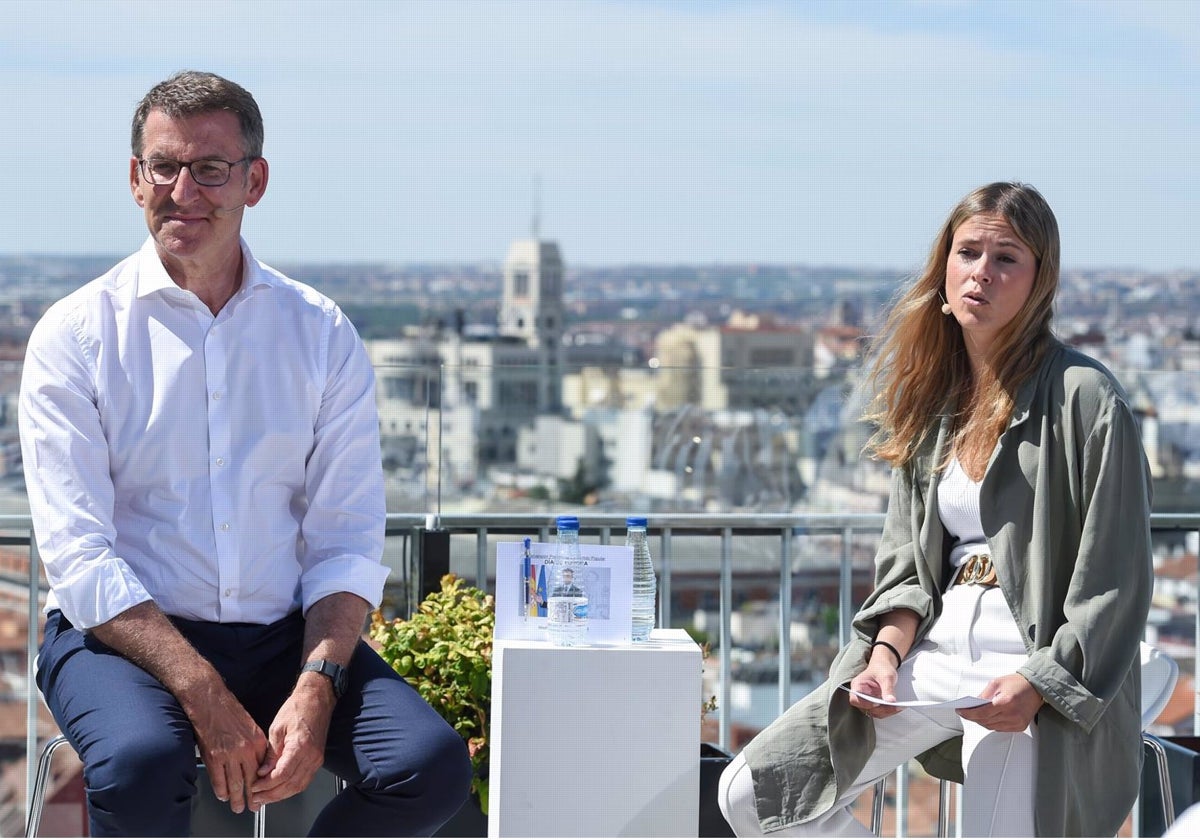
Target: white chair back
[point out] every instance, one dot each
(1159, 675)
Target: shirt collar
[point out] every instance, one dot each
(153, 278)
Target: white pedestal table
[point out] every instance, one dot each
(600, 741)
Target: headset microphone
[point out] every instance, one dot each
(228, 211)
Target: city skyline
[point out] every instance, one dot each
(640, 132)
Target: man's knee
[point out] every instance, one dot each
(438, 778)
(452, 772)
(145, 772)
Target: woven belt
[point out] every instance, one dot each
(978, 570)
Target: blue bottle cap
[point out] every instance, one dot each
(636, 522)
(567, 523)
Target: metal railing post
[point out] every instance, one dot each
(435, 560)
(664, 592)
(785, 620)
(481, 558)
(1196, 644)
(31, 689)
(845, 589)
(726, 636)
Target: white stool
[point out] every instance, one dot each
(41, 783)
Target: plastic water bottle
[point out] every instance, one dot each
(567, 604)
(645, 587)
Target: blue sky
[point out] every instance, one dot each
(805, 132)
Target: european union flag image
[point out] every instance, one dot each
(541, 592)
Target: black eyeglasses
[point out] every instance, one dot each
(207, 172)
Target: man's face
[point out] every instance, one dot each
(189, 221)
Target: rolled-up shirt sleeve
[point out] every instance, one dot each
(343, 527)
(67, 475)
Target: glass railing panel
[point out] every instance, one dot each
(522, 438)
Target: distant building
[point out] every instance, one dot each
(531, 310)
(554, 447)
(478, 389)
(837, 349)
(476, 392)
(736, 366)
(592, 387)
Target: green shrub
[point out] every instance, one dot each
(444, 651)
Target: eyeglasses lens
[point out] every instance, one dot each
(206, 173)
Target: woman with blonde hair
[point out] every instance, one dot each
(1014, 565)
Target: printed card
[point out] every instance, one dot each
(523, 582)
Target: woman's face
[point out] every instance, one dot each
(989, 276)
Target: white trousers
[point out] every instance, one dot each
(974, 640)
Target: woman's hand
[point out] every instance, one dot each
(878, 680)
(892, 642)
(1014, 704)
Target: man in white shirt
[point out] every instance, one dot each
(202, 455)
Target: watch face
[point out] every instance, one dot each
(341, 682)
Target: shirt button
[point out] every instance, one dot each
(224, 526)
(228, 592)
(216, 395)
(220, 462)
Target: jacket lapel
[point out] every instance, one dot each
(932, 532)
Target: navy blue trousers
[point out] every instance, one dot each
(406, 769)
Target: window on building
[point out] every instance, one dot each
(516, 394)
(398, 388)
(772, 357)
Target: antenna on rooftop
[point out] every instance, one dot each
(536, 221)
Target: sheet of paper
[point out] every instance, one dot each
(958, 703)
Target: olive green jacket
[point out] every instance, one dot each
(1065, 505)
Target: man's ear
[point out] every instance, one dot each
(136, 185)
(258, 176)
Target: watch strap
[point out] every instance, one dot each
(336, 673)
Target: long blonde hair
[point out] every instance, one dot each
(920, 367)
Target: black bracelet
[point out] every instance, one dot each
(889, 646)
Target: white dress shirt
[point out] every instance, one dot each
(226, 467)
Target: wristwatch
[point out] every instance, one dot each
(338, 675)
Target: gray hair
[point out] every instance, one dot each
(191, 92)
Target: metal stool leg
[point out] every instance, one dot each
(260, 822)
(945, 789)
(877, 806)
(41, 781)
(1164, 779)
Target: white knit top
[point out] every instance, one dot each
(958, 507)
